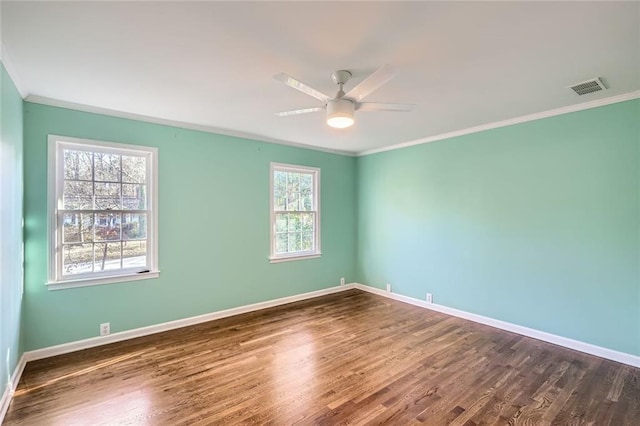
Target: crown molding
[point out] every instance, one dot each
(11, 70)
(245, 135)
(522, 119)
(180, 124)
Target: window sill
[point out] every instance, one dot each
(296, 257)
(87, 282)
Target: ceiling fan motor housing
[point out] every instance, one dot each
(340, 112)
(341, 76)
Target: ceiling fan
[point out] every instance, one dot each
(341, 108)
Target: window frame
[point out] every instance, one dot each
(55, 189)
(300, 255)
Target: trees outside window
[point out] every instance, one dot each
(295, 212)
(102, 211)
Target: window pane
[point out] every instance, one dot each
(134, 169)
(295, 224)
(307, 241)
(77, 228)
(77, 259)
(280, 181)
(306, 220)
(107, 167)
(77, 195)
(279, 190)
(279, 202)
(306, 182)
(281, 222)
(134, 197)
(107, 226)
(306, 192)
(108, 256)
(134, 254)
(78, 165)
(293, 191)
(306, 200)
(282, 241)
(107, 196)
(293, 182)
(134, 226)
(295, 242)
(293, 201)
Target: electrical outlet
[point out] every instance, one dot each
(342, 281)
(389, 287)
(105, 329)
(429, 298)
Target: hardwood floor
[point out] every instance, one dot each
(348, 358)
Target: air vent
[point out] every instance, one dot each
(589, 86)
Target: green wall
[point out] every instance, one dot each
(10, 227)
(214, 228)
(537, 224)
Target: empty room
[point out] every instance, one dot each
(320, 213)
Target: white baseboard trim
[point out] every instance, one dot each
(577, 345)
(588, 348)
(9, 390)
(158, 328)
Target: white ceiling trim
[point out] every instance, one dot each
(523, 119)
(208, 129)
(8, 65)
(180, 124)
(215, 61)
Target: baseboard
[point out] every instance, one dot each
(9, 390)
(171, 325)
(577, 345)
(599, 351)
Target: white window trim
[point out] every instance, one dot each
(55, 179)
(273, 257)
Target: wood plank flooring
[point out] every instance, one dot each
(347, 358)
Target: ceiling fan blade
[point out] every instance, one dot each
(299, 111)
(298, 85)
(377, 106)
(371, 83)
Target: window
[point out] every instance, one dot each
(295, 212)
(102, 212)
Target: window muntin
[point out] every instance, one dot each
(103, 211)
(295, 213)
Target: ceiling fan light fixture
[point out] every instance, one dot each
(338, 122)
(341, 108)
(340, 113)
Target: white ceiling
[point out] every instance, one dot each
(212, 63)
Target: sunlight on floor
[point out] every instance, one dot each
(113, 361)
(129, 408)
(294, 368)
